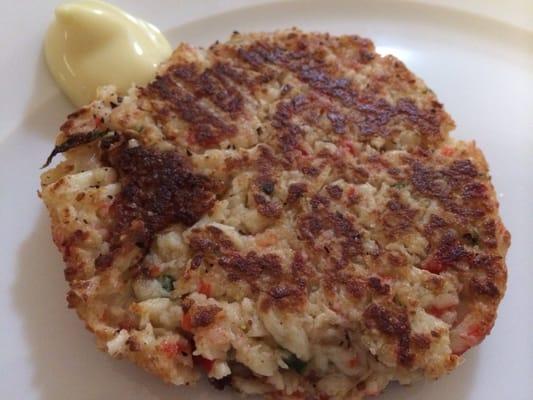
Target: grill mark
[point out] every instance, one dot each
(378, 286)
(295, 192)
(283, 295)
(490, 238)
(241, 76)
(338, 121)
(393, 324)
(448, 253)
(206, 129)
(347, 238)
(311, 110)
(375, 112)
(267, 208)
(250, 267)
(462, 168)
(457, 187)
(209, 84)
(289, 134)
(484, 288)
(334, 191)
(421, 341)
(203, 316)
(210, 240)
(397, 218)
(264, 273)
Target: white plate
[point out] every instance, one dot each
(480, 68)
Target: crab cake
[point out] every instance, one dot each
(283, 212)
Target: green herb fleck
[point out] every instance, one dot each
(295, 363)
(398, 185)
(167, 282)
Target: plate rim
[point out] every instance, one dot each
(419, 4)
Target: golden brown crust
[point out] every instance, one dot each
(286, 212)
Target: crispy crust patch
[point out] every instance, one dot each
(158, 189)
(283, 212)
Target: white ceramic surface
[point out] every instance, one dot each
(481, 69)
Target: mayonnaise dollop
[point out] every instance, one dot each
(92, 43)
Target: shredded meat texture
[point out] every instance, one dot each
(285, 212)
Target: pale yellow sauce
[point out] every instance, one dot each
(92, 43)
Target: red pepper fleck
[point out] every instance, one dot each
(204, 288)
(438, 312)
(171, 349)
(433, 265)
(476, 331)
(98, 122)
(153, 271)
(350, 147)
(447, 151)
(186, 322)
(191, 139)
